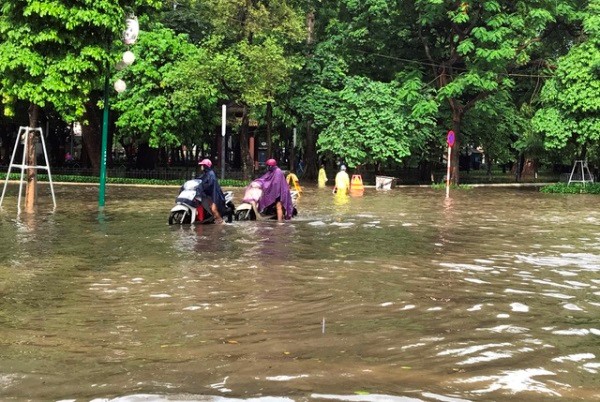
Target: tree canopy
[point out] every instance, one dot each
(53, 52)
(570, 111)
(372, 81)
(153, 110)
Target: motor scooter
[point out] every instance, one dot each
(188, 207)
(248, 211)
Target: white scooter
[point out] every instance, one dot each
(247, 210)
(188, 206)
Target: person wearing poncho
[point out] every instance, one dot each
(322, 176)
(275, 190)
(213, 198)
(342, 181)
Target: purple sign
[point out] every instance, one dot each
(450, 138)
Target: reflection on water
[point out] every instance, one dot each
(403, 295)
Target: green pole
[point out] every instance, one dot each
(104, 145)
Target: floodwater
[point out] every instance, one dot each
(402, 296)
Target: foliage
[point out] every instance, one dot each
(368, 121)
(187, 17)
(563, 188)
(380, 81)
(475, 47)
(245, 49)
(494, 123)
(242, 72)
(570, 110)
(153, 110)
(53, 52)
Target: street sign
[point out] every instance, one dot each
(450, 138)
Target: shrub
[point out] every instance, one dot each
(442, 186)
(564, 188)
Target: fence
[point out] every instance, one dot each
(404, 176)
(163, 173)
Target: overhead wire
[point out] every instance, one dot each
(429, 64)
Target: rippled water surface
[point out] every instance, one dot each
(491, 295)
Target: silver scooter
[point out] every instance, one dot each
(188, 207)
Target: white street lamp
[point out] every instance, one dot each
(128, 58)
(120, 86)
(130, 34)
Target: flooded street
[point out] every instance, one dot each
(402, 296)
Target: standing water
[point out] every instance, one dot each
(404, 295)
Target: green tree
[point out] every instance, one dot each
(369, 121)
(247, 55)
(157, 109)
(52, 53)
(474, 47)
(467, 51)
(570, 112)
(494, 123)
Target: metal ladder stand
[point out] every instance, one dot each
(24, 131)
(584, 170)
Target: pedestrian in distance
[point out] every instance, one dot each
(322, 176)
(292, 180)
(342, 181)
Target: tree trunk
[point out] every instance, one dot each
(92, 135)
(310, 27)
(247, 162)
(292, 151)
(5, 139)
(269, 118)
(146, 157)
(455, 159)
(519, 167)
(31, 188)
(310, 151)
(310, 156)
(489, 161)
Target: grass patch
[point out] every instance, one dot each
(442, 186)
(563, 188)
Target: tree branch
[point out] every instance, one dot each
(472, 102)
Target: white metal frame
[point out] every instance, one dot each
(24, 133)
(584, 170)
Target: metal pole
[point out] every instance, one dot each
(223, 130)
(102, 189)
(294, 138)
(448, 173)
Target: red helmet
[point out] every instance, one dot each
(271, 162)
(205, 162)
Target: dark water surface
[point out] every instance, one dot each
(492, 295)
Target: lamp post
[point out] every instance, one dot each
(223, 131)
(129, 38)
